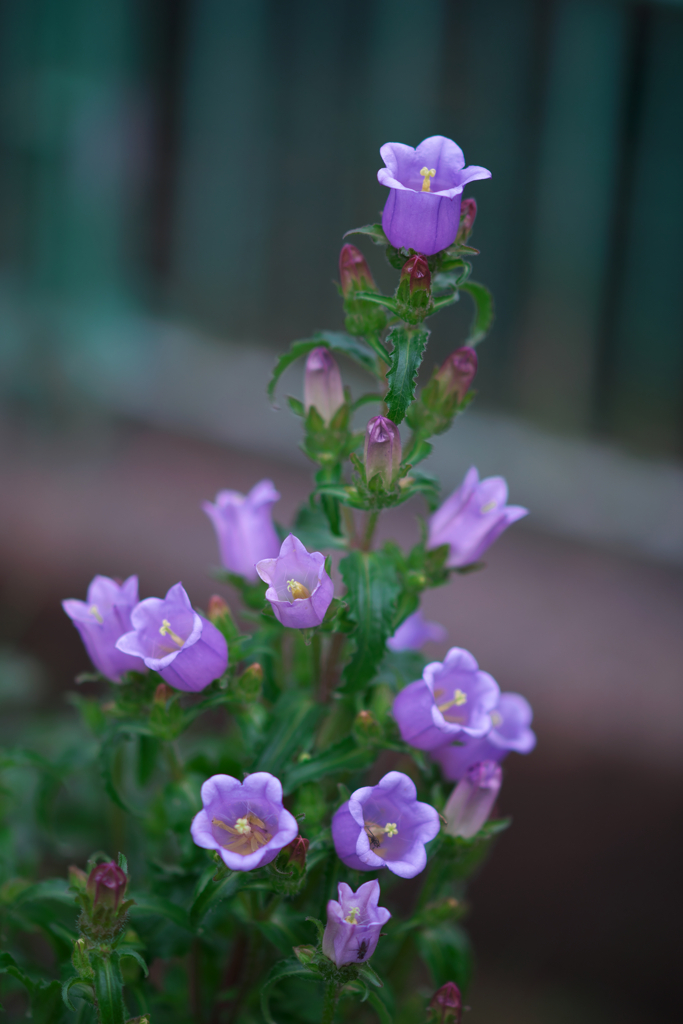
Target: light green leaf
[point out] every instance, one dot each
(484, 312)
(373, 231)
(406, 356)
(372, 592)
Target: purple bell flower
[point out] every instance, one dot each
(323, 387)
(385, 826)
(185, 649)
(472, 518)
(244, 527)
(102, 619)
(414, 632)
(299, 589)
(453, 700)
(423, 208)
(510, 718)
(244, 821)
(353, 924)
(469, 805)
(382, 452)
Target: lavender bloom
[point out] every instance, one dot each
(445, 1006)
(470, 803)
(185, 649)
(510, 718)
(106, 885)
(353, 924)
(299, 589)
(382, 450)
(385, 826)
(101, 620)
(244, 527)
(472, 518)
(414, 632)
(453, 700)
(244, 821)
(423, 208)
(323, 384)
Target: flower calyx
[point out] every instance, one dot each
(414, 299)
(101, 896)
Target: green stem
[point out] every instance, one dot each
(377, 347)
(330, 1003)
(175, 766)
(108, 990)
(370, 525)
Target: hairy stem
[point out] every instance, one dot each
(330, 674)
(330, 1003)
(370, 525)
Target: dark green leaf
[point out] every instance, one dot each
(409, 345)
(373, 231)
(337, 341)
(372, 592)
(344, 756)
(283, 969)
(294, 719)
(213, 894)
(146, 903)
(49, 889)
(312, 528)
(382, 1012)
(108, 987)
(446, 951)
(484, 312)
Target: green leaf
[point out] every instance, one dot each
(129, 951)
(484, 312)
(372, 592)
(377, 1004)
(344, 756)
(66, 989)
(49, 889)
(372, 231)
(213, 894)
(147, 903)
(312, 528)
(295, 717)
(409, 345)
(446, 951)
(108, 987)
(283, 969)
(337, 341)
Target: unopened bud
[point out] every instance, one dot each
(445, 1006)
(77, 878)
(414, 292)
(472, 800)
(457, 373)
(81, 960)
(297, 851)
(107, 885)
(304, 954)
(217, 608)
(322, 383)
(366, 727)
(468, 212)
(354, 273)
(382, 450)
(162, 693)
(247, 687)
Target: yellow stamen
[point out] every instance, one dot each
(242, 826)
(221, 824)
(391, 829)
(488, 507)
(352, 916)
(248, 835)
(165, 630)
(427, 174)
(94, 610)
(459, 698)
(297, 590)
(496, 718)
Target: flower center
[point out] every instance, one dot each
(246, 836)
(427, 174)
(457, 700)
(488, 507)
(297, 590)
(496, 719)
(378, 833)
(94, 610)
(352, 916)
(165, 630)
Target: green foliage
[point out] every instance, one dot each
(484, 312)
(372, 589)
(406, 356)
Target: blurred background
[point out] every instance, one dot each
(175, 180)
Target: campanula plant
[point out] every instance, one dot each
(286, 801)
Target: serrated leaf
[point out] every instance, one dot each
(484, 311)
(372, 593)
(372, 231)
(283, 969)
(446, 951)
(406, 356)
(344, 756)
(337, 341)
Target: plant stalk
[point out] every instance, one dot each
(332, 990)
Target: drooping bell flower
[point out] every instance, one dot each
(244, 821)
(454, 699)
(102, 619)
(354, 923)
(472, 518)
(185, 649)
(469, 805)
(299, 589)
(322, 383)
(426, 183)
(244, 527)
(385, 826)
(414, 632)
(382, 454)
(510, 730)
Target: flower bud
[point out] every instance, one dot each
(382, 450)
(162, 693)
(77, 878)
(247, 687)
(107, 885)
(445, 1006)
(322, 383)
(457, 373)
(416, 281)
(297, 851)
(217, 608)
(354, 273)
(468, 212)
(470, 803)
(304, 954)
(366, 728)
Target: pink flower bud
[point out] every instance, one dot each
(322, 383)
(468, 213)
(354, 273)
(415, 276)
(217, 608)
(470, 803)
(382, 450)
(445, 1006)
(107, 885)
(297, 851)
(457, 373)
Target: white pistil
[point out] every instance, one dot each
(94, 610)
(352, 916)
(488, 507)
(391, 828)
(427, 174)
(165, 630)
(459, 698)
(297, 590)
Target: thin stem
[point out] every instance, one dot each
(370, 525)
(349, 523)
(175, 766)
(330, 1003)
(328, 677)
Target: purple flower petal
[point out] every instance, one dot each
(354, 924)
(102, 619)
(414, 632)
(244, 527)
(511, 719)
(296, 571)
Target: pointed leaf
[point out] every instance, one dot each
(129, 951)
(373, 231)
(337, 341)
(484, 312)
(294, 719)
(372, 593)
(382, 1012)
(344, 756)
(446, 951)
(406, 356)
(283, 969)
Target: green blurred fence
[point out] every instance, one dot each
(154, 153)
